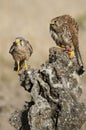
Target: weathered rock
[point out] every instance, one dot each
(55, 91)
(39, 115)
(19, 118)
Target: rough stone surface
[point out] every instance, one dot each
(55, 93)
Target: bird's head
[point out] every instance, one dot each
(55, 26)
(56, 23)
(19, 41)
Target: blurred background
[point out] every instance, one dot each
(30, 19)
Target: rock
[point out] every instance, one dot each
(55, 93)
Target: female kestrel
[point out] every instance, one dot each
(64, 31)
(21, 50)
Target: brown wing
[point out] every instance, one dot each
(71, 21)
(12, 49)
(29, 47)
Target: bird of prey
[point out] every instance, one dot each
(64, 31)
(21, 50)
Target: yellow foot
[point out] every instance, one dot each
(71, 54)
(26, 66)
(61, 48)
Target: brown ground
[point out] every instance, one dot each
(30, 19)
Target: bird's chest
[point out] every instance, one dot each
(18, 54)
(64, 35)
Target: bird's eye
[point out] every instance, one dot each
(58, 23)
(22, 43)
(54, 22)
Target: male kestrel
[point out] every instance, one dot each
(21, 50)
(64, 31)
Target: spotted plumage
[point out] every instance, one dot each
(64, 31)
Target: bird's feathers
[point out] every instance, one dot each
(64, 31)
(21, 50)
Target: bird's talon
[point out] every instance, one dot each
(25, 67)
(71, 54)
(60, 47)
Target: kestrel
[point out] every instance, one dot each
(21, 50)
(64, 31)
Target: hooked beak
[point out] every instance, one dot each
(17, 41)
(53, 22)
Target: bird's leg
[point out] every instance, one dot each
(18, 66)
(25, 65)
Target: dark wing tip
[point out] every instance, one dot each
(81, 70)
